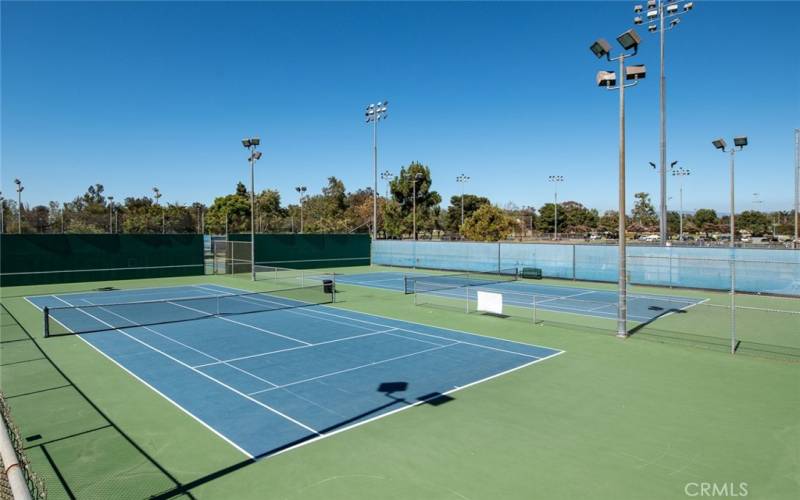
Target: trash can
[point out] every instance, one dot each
(327, 286)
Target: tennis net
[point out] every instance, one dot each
(97, 317)
(434, 282)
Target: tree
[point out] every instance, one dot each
(674, 222)
(546, 220)
(643, 212)
(705, 219)
(578, 219)
(488, 223)
(758, 223)
(452, 217)
(399, 216)
(609, 223)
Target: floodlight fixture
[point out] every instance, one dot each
(740, 141)
(255, 141)
(637, 20)
(635, 72)
(652, 28)
(637, 8)
(652, 14)
(719, 144)
(256, 155)
(672, 9)
(652, 164)
(672, 165)
(606, 79)
(651, 4)
(688, 6)
(629, 40)
(600, 48)
(246, 143)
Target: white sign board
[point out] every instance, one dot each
(490, 302)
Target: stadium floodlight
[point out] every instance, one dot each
(374, 113)
(301, 190)
(629, 40)
(651, 4)
(637, 20)
(462, 179)
(680, 172)
(251, 143)
(672, 165)
(606, 79)
(674, 22)
(555, 179)
(20, 189)
(600, 48)
(688, 6)
(652, 14)
(672, 9)
(652, 164)
(738, 142)
(652, 28)
(635, 72)
(637, 8)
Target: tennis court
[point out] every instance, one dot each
(270, 371)
(566, 299)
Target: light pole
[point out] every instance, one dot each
(681, 172)
(157, 195)
(555, 179)
(301, 190)
(374, 114)
(740, 143)
(462, 179)
(2, 214)
(20, 189)
(796, 243)
(250, 144)
(628, 40)
(659, 11)
(387, 177)
(756, 202)
(414, 179)
(110, 214)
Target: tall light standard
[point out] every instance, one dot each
(110, 214)
(387, 177)
(796, 186)
(2, 214)
(301, 190)
(628, 40)
(250, 144)
(157, 195)
(555, 179)
(757, 202)
(374, 114)
(414, 179)
(462, 179)
(20, 189)
(740, 143)
(681, 173)
(659, 11)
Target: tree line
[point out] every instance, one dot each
(410, 202)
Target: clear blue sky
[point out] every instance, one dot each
(133, 95)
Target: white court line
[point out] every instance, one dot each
(374, 363)
(403, 408)
(146, 384)
(180, 343)
(243, 324)
(123, 291)
(471, 334)
(297, 348)
(273, 410)
(687, 307)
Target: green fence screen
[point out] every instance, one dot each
(310, 251)
(32, 259)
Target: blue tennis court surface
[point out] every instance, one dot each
(270, 380)
(566, 299)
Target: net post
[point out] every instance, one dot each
(46, 311)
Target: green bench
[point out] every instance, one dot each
(532, 273)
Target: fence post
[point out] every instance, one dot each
(534, 309)
(573, 262)
(466, 296)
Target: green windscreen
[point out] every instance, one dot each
(31, 259)
(310, 251)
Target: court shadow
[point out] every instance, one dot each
(388, 388)
(662, 312)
